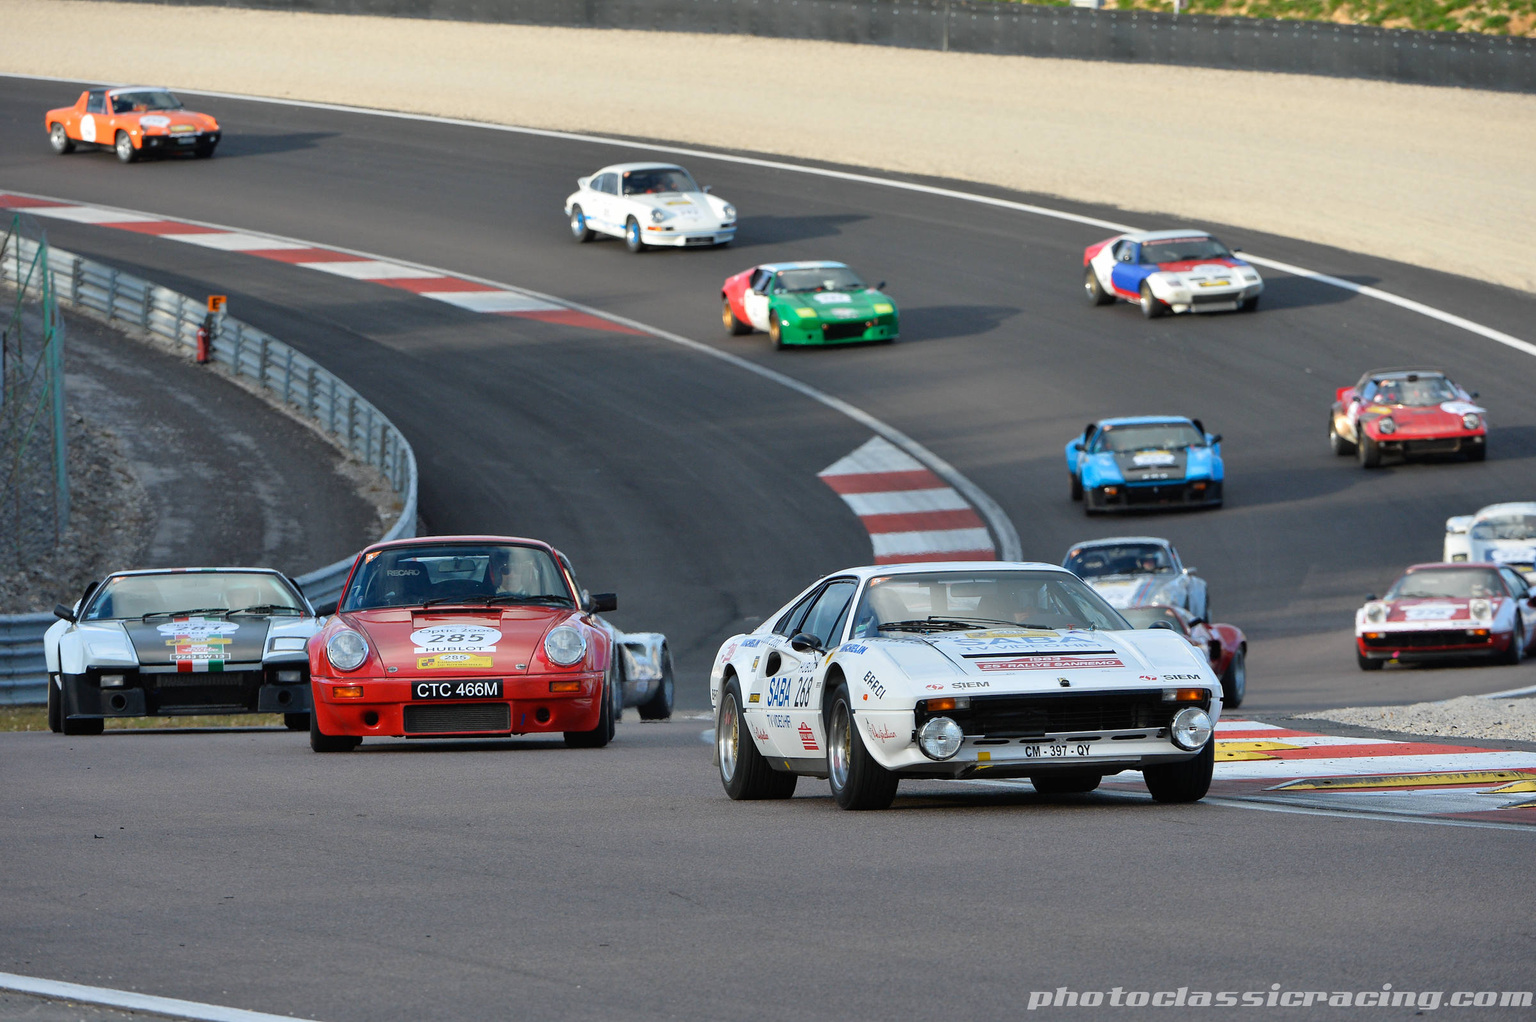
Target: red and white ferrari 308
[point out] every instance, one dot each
(1448, 611)
(1406, 412)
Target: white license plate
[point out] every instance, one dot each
(1057, 751)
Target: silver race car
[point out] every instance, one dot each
(1138, 571)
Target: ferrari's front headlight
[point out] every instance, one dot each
(728, 212)
(940, 738)
(347, 650)
(1376, 612)
(565, 645)
(1470, 421)
(1386, 425)
(806, 313)
(1191, 728)
(658, 215)
(1481, 609)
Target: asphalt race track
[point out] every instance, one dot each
(310, 885)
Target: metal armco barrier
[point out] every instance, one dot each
(286, 377)
(985, 26)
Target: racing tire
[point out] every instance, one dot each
(1478, 452)
(733, 326)
(579, 229)
(603, 733)
(1067, 782)
(858, 782)
(82, 725)
(1150, 306)
(123, 146)
(1077, 487)
(1094, 290)
(60, 140)
(744, 772)
(775, 331)
(1516, 651)
(1183, 782)
(55, 705)
(633, 240)
(319, 741)
(1368, 664)
(203, 151)
(1368, 451)
(1234, 680)
(659, 706)
(1337, 444)
(1249, 304)
(296, 721)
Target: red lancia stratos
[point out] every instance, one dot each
(463, 636)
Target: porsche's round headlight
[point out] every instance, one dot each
(658, 215)
(1480, 609)
(347, 650)
(1386, 425)
(1470, 421)
(728, 212)
(565, 645)
(939, 738)
(1376, 612)
(1191, 728)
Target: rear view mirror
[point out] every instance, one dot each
(1215, 439)
(61, 611)
(1163, 624)
(599, 603)
(1371, 597)
(706, 189)
(881, 287)
(803, 642)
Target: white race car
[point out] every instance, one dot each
(959, 670)
(1138, 571)
(174, 641)
(1498, 534)
(649, 204)
(1163, 271)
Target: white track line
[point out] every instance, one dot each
(130, 1001)
(843, 175)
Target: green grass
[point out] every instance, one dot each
(35, 718)
(1495, 17)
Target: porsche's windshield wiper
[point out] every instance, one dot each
(215, 611)
(548, 599)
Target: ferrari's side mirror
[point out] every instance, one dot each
(1077, 444)
(1474, 395)
(1216, 439)
(1370, 597)
(706, 189)
(1198, 621)
(881, 287)
(599, 603)
(1163, 624)
(1190, 571)
(802, 642)
(61, 611)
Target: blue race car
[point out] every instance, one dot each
(1149, 461)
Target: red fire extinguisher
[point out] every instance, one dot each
(204, 337)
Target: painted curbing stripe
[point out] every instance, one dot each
(953, 543)
(82, 214)
(130, 1001)
(905, 501)
(367, 269)
(233, 241)
(922, 521)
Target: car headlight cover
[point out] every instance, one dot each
(658, 215)
(884, 308)
(1480, 608)
(565, 645)
(1386, 425)
(346, 650)
(728, 212)
(1376, 612)
(1191, 728)
(939, 738)
(1470, 421)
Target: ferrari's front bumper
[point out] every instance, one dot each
(1432, 644)
(1150, 496)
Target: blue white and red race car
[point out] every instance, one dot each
(1169, 271)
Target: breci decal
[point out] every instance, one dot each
(873, 684)
(1050, 663)
(452, 660)
(808, 738)
(456, 638)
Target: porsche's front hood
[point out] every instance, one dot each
(683, 207)
(1121, 591)
(426, 643)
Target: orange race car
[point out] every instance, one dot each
(132, 121)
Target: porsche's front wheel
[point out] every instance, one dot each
(1094, 290)
(1477, 452)
(733, 326)
(1150, 306)
(633, 239)
(55, 705)
(775, 330)
(603, 733)
(204, 150)
(1182, 782)
(1368, 450)
(319, 741)
(1337, 444)
(126, 153)
(744, 772)
(858, 782)
(659, 706)
(579, 229)
(1234, 680)
(60, 140)
(296, 721)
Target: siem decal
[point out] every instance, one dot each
(970, 684)
(1180, 677)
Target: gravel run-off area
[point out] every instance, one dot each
(1504, 719)
(1438, 177)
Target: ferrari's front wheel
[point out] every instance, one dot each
(659, 706)
(126, 153)
(579, 229)
(733, 326)
(1094, 290)
(1368, 450)
(319, 741)
(1337, 444)
(1066, 782)
(1368, 664)
(1234, 680)
(858, 782)
(744, 772)
(1182, 782)
(1516, 651)
(633, 240)
(55, 705)
(1150, 306)
(60, 140)
(1077, 486)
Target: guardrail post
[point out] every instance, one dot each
(76, 271)
(330, 426)
(145, 306)
(368, 437)
(351, 423)
(239, 346)
(288, 378)
(112, 294)
(311, 403)
(261, 363)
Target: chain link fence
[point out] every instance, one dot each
(34, 483)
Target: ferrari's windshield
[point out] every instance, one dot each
(658, 180)
(950, 600)
(1153, 436)
(824, 278)
(1506, 527)
(130, 596)
(473, 573)
(1181, 250)
(1418, 393)
(149, 99)
(1120, 559)
(1447, 582)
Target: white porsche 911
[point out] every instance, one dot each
(1499, 533)
(649, 204)
(959, 670)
